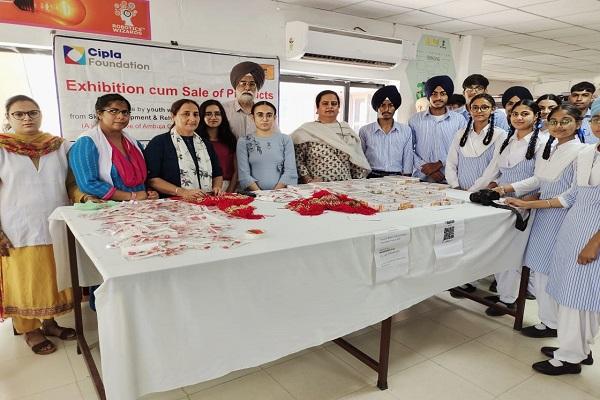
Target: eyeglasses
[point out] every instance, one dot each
(212, 114)
(188, 114)
(477, 88)
(20, 115)
(483, 108)
(261, 115)
(562, 122)
(595, 121)
(250, 84)
(114, 112)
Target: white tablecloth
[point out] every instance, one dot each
(170, 322)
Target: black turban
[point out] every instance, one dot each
(386, 92)
(519, 91)
(244, 68)
(441, 80)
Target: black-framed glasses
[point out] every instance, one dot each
(482, 108)
(20, 115)
(114, 112)
(562, 122)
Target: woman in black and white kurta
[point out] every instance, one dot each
(514, 162)
(574, 280)
(180, 163)
(553, 175)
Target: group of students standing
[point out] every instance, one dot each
(533, 150)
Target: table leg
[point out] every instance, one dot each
(518, 325)
(381, 366)
(82, 346)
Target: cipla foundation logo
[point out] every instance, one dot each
(74, 55)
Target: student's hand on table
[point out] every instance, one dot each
(5, 244)
(437, 176)
(151, 195)
(589, 253)
(217, 190)
(430, 168)
(511, 201)
(93, 199)
(191, 194)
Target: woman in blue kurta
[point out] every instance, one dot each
(266, 160)
(553, 176)
(108, 163)
(574, 280)
(514, 162)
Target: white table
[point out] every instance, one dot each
(169, 322)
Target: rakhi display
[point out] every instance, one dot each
(392, 193)
(164, 228)
(233, 204)
(324, 200)
(285, 195)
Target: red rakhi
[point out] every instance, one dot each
(325, 200)
(233, 204)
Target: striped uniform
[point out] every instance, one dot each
(546, 223)
(588, 135)
(522, 170)
(571, 284)
(471, 168)
(432, 137)
(389, 152)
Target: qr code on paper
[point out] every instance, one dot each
(448, 233)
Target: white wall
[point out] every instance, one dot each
(258, 26)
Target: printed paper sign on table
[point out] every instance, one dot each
(448, 243)
(150, 76)
(391, 254)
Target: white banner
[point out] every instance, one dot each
(150, 76)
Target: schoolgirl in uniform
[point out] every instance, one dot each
(472, 149)
(514, 162)
(574, 280)
(553, 176)
(547, 102)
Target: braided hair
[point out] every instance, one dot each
(490, 132)
(532, 143)
(573, 112)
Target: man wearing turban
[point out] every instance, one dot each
(386, 143)
(434, 129)
(246, 78)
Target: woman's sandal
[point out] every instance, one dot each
(63, 333)
(42, 348)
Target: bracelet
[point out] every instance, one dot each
(133, 196)
(549, 204)
(176, 191)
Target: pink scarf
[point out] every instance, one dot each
(131, 168)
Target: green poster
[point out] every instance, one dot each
(434, 57)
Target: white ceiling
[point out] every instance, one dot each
(548, 40)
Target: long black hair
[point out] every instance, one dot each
(224, 132)
(536, 131)
(490, 132)
(573, 112)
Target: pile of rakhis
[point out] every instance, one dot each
(164, 227)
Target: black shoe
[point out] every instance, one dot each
(533, 332)
(493, 287)
(549, 352)
(467, 288)
(493, 312)
(546, 368)
(529, 296)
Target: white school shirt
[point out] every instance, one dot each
(28, 196)
(474, 147)
(513, 154)
(561, 156)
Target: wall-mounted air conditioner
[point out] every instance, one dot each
(318, 44)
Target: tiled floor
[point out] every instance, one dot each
(441, 348)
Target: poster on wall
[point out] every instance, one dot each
(150, 76)
(129, 18)
(434, 57)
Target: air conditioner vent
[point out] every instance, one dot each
(347, 60)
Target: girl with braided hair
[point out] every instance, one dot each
(514, 162)
(554, 173)
(473, 147)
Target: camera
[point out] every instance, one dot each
(484, 197)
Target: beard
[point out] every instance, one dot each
(245, 98)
